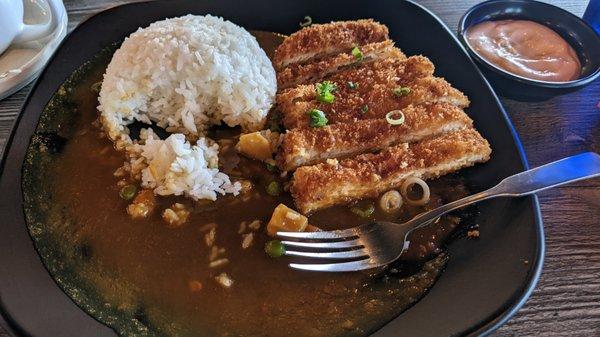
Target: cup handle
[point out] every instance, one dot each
(34, 32)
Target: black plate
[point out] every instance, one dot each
(486, 280)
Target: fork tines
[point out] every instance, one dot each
(328, 245)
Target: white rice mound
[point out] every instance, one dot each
(174, 167)
(186, 74)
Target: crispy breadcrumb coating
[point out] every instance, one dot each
(367, 175)
(307, 146)
(359, 154)
(320, 40)
(374, 96)
(303, 73)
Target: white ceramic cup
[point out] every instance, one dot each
(14, 30)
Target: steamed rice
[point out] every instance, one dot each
(174, 167)
(186, 74)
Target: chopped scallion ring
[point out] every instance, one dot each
(364, 109)
(96, 87)
(390, 201)
(364, 213)
(395, 117)
(317, 118)
(128, 192)
(408, 183)
(273, 189)
(271, 167)
(307, 21)
(358, 55)
(325, 91)
(352, 85)
(401, 91)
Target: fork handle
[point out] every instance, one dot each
(564, 171)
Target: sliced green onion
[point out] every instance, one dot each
(401, 91)
(364, 109)
(273, 189)
(364, 213)
(395, 117)
(317, 118)
(271, 167)
(352, 85)
(307, 21)
(128, 192)
(274, 248)
(96, 87)
(358, 55)
(325, 91)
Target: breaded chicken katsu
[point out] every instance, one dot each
(310, 72)
(361, 117)
(317, 41)
(307, 146)
(367, 175)
(373, 93)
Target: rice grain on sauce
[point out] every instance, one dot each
(174, 167)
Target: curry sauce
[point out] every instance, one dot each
(145, 278)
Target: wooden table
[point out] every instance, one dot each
(567, 299)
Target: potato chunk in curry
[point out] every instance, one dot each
(285, 219)
(258, 145)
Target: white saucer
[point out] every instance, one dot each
(19, 65)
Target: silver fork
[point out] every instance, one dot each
(380, 243)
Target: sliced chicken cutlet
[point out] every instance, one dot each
(307, 146)
(374, 95)
(321, 40)
(304, 73)
(368, 175)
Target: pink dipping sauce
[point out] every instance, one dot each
(525, 48)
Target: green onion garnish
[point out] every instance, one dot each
(271, 167)
(274, 248)
(317, 118)
(325, 91)
(395, 117)
(273, 189)
(401, 91)
(358, 55)
(128, 192)
(307, 21)
(364, 109)
(352, 85)
(96, 87)
(364, 213)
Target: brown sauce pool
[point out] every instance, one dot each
(525, 48)
(142, 270)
